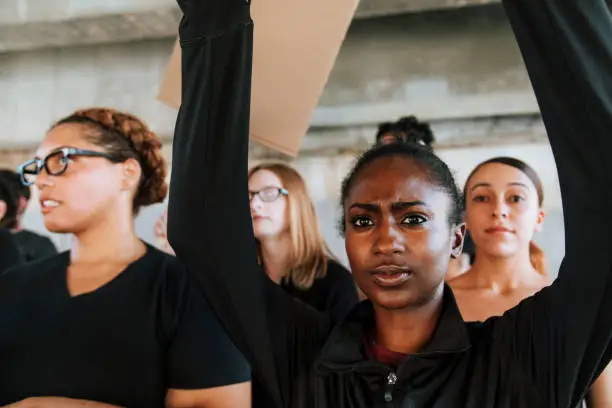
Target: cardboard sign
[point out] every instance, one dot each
(296, 43)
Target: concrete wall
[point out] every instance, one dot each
(438, 65)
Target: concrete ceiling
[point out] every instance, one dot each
(34, 24)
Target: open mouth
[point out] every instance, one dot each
(390, 276)
(48, 205)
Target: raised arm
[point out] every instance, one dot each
(209, 222)
(563, 334)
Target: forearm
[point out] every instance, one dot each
(600, 395)
(58, 402)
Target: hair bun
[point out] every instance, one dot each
(407, 129)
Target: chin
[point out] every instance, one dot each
(58, 226)
(405, 297)
(392, 299)
(502, 251)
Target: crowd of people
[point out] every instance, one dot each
(446, 300)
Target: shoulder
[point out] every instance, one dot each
(33, 273)
(165, 268)
(8, 241)
(174, 285)
(337, 272)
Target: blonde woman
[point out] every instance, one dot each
(292, 250)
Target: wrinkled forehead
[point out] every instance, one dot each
(396, 179)
(65, 135)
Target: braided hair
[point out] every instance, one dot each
(127, 137)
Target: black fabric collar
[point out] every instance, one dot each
(345, 345)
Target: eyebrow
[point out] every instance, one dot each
(57, 149)
(516, 183)
(397, 206)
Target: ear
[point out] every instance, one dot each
(3, 208)
(23, 204)
(457, 236)
(131, 174)
(540, 221)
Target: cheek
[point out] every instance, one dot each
(87, 191)
(526, 222)
(477, 217)
(357, 250)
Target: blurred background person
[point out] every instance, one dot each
(31, 245)
(9, 252)
(292, 251)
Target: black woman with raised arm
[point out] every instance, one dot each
(407, 345)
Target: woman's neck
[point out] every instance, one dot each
(502, 274)
(275, 255)
(408, 331)
(112, 240)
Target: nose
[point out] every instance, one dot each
(43, 180)
(255, 203)
(500, 208)
(390, 239)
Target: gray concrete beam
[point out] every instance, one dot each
(445, 66)
(34, 24)
(450, 134)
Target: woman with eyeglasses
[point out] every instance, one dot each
(407, 346)
(291, 248)
(112, 321)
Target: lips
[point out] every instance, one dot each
(498, 229)
(391, 275)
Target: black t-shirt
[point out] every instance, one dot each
(334, 294)
(33, 246)
(126, 343)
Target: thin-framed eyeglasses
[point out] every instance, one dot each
(56, 163)
(268, 194)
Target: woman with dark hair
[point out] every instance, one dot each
(31, 245)
(113, 321)
(9, 251)
(408, 344)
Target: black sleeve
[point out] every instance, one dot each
(343, 293)
(45, 248)
(209, 222)
(201, 354)
(562, 335)
(9, 252)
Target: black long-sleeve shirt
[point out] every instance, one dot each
(543, 353)
(9, 251)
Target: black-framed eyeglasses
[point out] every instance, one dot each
(268, 194)
(56, 163)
